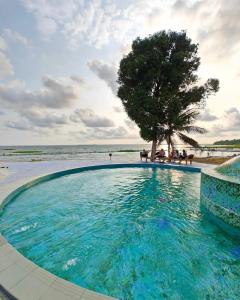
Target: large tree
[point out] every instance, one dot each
(158, 82)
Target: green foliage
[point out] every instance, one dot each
(158, 83)
(182, 124)
(228, 142)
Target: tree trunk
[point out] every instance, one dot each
(169, 148)
(153, 151)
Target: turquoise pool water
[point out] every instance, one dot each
(132, 233)
(231, 168)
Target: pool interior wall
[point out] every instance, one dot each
(220, 192)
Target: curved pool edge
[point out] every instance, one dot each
(21, 277)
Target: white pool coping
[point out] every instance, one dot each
(19, 276)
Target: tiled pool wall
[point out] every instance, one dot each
(220, 194)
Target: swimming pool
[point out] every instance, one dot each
(132, 233)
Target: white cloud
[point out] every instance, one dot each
(105, 72)
(232, 119)
(40, 108)
(6, 68)
(32, 119)
(130, 124)
(50, 14)
(230, 123)
(117, 109)
(222, 34)
(90, 119)
(3, 45)
(93, 23)
(114, 133)
(77, 79)
(19, 125)
(46, 26)
(96, 22)
(55, 93)
(44, 119)
(207, 116)
(109, 134)
(16, 37)
(115, 24)
(217, 36)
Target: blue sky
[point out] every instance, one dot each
(59, 60)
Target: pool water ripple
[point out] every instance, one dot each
(132, 233)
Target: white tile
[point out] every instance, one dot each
(26, 264)
(53, 294)
(2, 240)
(68, 288)
(11, 276)
(5, 263)
(30, 288)
(6, 249)
(44, 276)
(90, 295)
(14, 255)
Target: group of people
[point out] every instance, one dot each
(174, 155)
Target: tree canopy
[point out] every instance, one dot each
(158, 82)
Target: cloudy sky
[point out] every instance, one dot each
(59, 60)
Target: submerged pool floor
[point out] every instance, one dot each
(132, 233)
